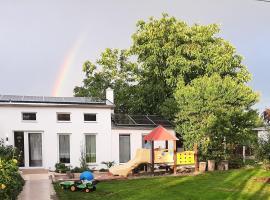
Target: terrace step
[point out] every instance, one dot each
(34, 171)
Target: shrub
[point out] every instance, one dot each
(103, 170)
(11, 182)
(266, 165)
(262, 150)
(61, 168)
(79, 170)
(236, 163)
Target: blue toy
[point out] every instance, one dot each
(86, 176)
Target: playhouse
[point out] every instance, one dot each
(156, 156)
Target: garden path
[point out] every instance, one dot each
(37, 187)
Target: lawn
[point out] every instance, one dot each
(233, 184)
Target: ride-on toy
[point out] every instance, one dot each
(82, 185)
(86, 183)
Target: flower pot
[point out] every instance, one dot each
(211, 165)
(223, 165)
(202, 166)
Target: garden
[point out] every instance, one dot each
(11, 182)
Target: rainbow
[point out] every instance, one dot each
(65, 66)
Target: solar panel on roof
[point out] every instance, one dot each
(41, 99)
(159, 120)
(141, 119)
(122, 119)
(32, 98)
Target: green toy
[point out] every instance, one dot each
(83, 185)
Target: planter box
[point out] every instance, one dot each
(223, 165)
(202, 166)
(211, 165)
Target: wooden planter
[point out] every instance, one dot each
(202, 166)
(211, 165)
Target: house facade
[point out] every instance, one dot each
(48, 130)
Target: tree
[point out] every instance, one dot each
(266, 116)
(112, 70)
(163, 51)
(213, 108)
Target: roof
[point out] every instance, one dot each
(125, 120)
(53, 100)
(159, 134)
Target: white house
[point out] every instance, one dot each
(48, 130)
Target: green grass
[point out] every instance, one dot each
(233, 184)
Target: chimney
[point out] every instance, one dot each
(110, 95)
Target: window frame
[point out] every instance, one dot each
(89, 114)
(58, 147)
(63, 121)
(90, 134)
(129, 135)
(30, 120)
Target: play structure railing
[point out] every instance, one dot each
(166, 156)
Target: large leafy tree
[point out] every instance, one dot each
(186, 73)
(162, 52)
(214, 110)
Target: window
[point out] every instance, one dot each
(124, 148)
(90, 117)
(63, 117)
(64, 148)
(90, 148)
(29, 116)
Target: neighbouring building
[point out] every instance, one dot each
(48, 130)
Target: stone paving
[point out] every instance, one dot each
(37, 187)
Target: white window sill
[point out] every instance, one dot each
(63, 121)
(29, 121)
(94, 122)
(92, 164)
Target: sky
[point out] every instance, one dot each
(43, 44)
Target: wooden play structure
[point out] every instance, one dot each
(157, 156)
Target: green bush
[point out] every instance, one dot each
(266, 165)
(80, 170)
(11, 182)
(103, 170)
(236, 163)
(61, 168)
(262, 150)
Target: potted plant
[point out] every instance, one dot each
(202, 166)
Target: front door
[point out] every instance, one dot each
(35, 149)
(19, 144)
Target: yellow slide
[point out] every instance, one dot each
(161, 156)
(142, 156)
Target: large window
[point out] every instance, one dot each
(64, 117)
(64, 148)
(88, 117)
(124, 148)
(29, 116)
(90, 148)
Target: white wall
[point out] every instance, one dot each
(135, 141)
(263, 134)
(46, 123)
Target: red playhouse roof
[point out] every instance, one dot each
(159, 133)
